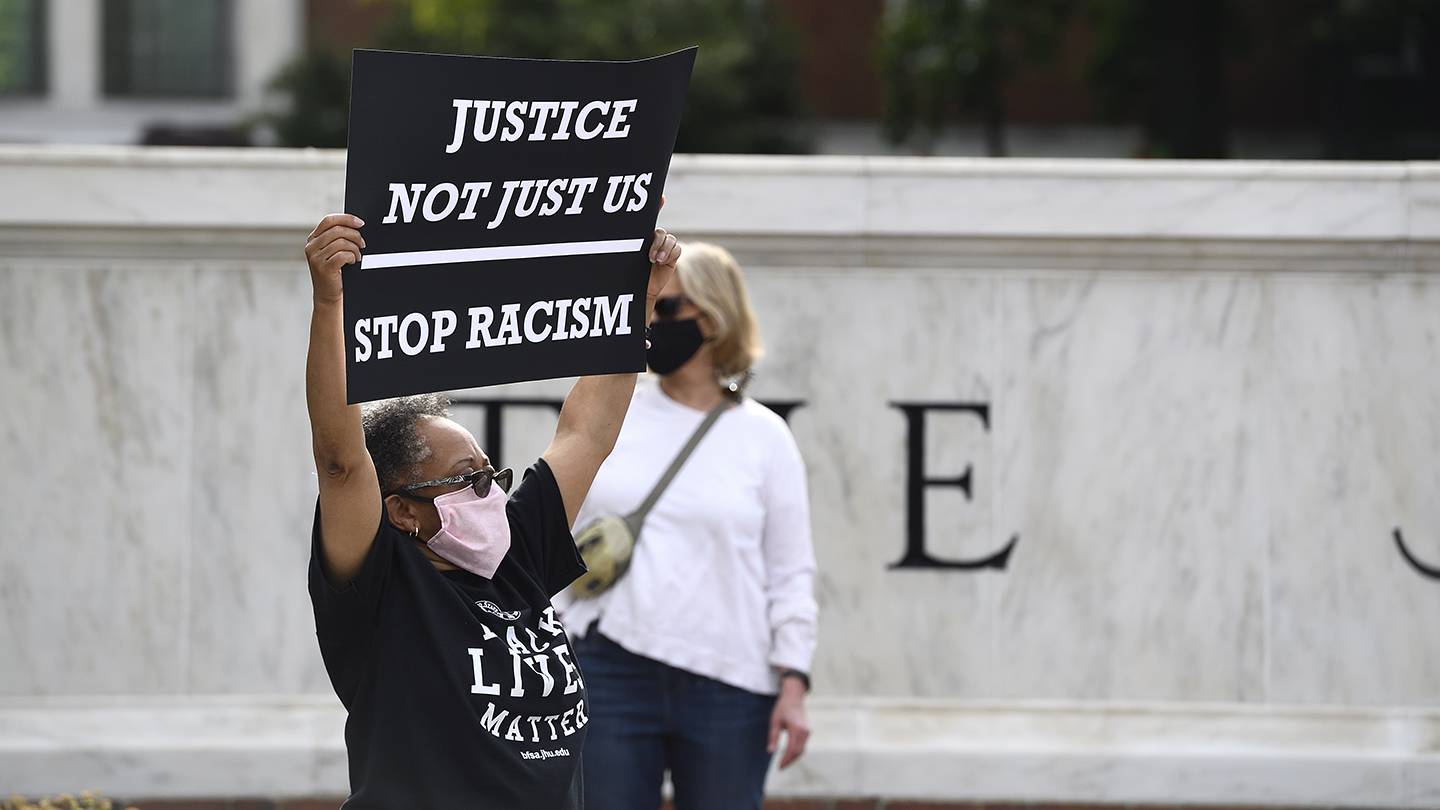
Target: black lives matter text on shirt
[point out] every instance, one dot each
(508, 208)
(461, 691)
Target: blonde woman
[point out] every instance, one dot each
(697, 660)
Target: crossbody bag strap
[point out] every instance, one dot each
(637, 518)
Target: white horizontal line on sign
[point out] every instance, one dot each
(489, 254)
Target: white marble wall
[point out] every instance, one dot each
(1212, 394)
(1204, 471)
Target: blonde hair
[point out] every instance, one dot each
(712, 280)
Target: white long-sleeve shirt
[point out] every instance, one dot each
(722, 580)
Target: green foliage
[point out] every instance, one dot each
(317, 88)
(925, 58)
(1163, 64)
(943, 60)
(18, 56)
(743, 95)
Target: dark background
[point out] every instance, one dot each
(1275, 79)
(1314, 79)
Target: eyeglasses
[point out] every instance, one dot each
(480, 481)
(668, 307)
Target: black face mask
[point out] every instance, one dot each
(672, 344)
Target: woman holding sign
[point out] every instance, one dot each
(697, 658)
(431, 575)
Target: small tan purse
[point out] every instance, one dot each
(607, 543)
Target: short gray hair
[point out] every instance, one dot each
(395, 446)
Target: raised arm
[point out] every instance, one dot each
(349, 489)
(595, 409)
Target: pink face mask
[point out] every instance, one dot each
(474, 532)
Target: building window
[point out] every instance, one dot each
(22, 47)
(167, 48)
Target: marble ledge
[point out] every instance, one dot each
(1066, 752)
(793, 195)
(34, 246)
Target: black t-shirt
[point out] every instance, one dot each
(463, 692)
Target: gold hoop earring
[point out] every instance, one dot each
(415, 532)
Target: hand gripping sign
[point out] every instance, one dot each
(508, 208)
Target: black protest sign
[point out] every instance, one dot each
(509, 206)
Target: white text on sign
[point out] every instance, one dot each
(549, 320)
(523, 198)
(533, 120)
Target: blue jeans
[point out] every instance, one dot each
(647, 717)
